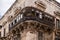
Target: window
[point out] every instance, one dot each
(40, 35)
(4, 32)
(48, 18)
(58, 23)
(12, 23)
(18, 17)
(33, 14)
(37, 13)
(40, 15)
(15, 21)
(21, 15)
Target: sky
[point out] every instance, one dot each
(5, 5)
(58, 1)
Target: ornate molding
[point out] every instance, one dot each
(4, 23)
(57, 13)
(10, 18)
(41, 5)
(17, 11)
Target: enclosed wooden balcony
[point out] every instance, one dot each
(31, 13)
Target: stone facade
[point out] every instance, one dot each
(31, 20)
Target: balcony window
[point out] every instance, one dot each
(40, 15)
(15, 21)
(37, 13)
(18, 18)
(48, 18)
(21, 15)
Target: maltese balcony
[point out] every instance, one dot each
(31, 13)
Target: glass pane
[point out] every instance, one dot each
(21, 15)
(40, 15)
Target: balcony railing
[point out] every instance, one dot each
(31, 13)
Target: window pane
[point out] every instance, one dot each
(40, 15)
(21, 15)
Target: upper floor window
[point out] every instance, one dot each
(15, 21)
(58, 23)
(4, 32)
